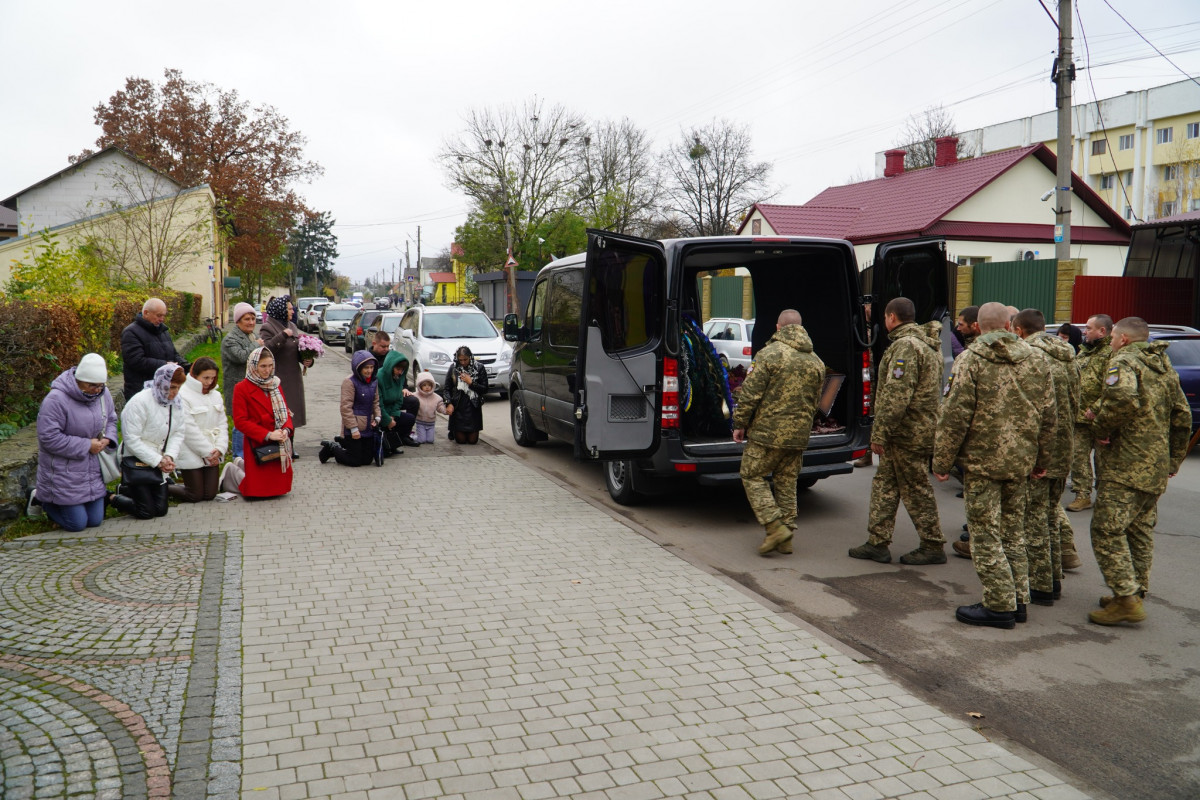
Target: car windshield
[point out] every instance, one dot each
(1184, 352)
(339, 314)
(391, 323)
(454, 325)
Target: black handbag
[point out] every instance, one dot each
(137, 473)
(265, 454)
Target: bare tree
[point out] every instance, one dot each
(147, 225)
(918, 135)
(1179, 180)
(523, 161)
(621, 183)
(714, 178)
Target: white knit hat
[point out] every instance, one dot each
(92, 369)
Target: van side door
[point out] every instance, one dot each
(560, 357)
(622, 317)
(530, 355)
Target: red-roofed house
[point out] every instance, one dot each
(986, 208)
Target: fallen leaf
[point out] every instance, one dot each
(974, 715)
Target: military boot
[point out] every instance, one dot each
(872, 552)
(785, 547)
(962, 549)
(1082, 501)
(1107, 599)
(777, 533)
(867, 460)
(927, 553)
(1070, 557)
(1121, 609)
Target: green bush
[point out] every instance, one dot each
(38, 340)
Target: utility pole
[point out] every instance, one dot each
(408, 288)
(418, 247)
(1062, 189)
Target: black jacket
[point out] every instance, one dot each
(145, 348)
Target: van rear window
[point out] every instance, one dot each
(625, 299)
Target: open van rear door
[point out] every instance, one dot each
(917, 269)
(621, 318)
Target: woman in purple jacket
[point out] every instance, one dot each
(76, 421)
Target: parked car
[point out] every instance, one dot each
(356, 338)
(311, 315)
(601, 352)
(429, 335)
(731, 336)
(335, 319)
(387, 322)
(1184, 352)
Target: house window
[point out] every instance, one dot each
(1126, 142)
(1195, 171)
(1168, 208)
(1193, 130)
(1164, 135)
(1099, 147)
(756, 227)
(1129, 178)
(1128, 212)
(1170, 172)
(1195, 206)
(1106, 181)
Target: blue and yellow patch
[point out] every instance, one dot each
(1113, 376)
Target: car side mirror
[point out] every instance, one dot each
(512, 328)
(406, 333)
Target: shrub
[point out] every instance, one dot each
(38, 340)
(95, 315)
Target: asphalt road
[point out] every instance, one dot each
(1117, 708)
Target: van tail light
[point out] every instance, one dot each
(746, 350)
(358, 331)
(669, 417)
(866, 392)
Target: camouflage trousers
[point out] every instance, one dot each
(784, 466)
(903, 475)
(996, 517)
(1044, 518)
(1123, 536)
(1083, 478)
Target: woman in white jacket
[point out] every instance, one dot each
(152, 430)
(206, 436)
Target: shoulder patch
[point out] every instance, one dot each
(1114, 375)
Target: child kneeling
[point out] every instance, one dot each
(360, 442)
(431, 405)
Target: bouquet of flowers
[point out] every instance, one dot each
(310, 347)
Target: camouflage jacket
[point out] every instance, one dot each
(777, 402)
(998, 420)
(1060, 356)
(1092, 363)
(910, 388)
(1144, 415)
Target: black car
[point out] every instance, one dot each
(356, 334)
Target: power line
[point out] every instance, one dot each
(1147, 41)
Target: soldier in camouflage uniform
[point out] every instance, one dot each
(998, 422)
(1141, 426)
(907, 397)
(774, 415)
(1043, 514)
(1092, 363)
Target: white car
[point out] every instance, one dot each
(429, 335)
(308, 317)
(731, 336)
(335, 318)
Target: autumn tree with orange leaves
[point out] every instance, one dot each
(198, 133)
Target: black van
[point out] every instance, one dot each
(609, 352)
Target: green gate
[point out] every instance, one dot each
(1024, 284)
(727, 297)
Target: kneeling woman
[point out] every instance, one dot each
(463, 390)
(261, 414)
(206, 437)
(360, 442)
(152, 428)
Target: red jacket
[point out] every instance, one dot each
(252, 415)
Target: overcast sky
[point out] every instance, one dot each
(377, 86)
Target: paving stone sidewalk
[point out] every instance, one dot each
(452, 625)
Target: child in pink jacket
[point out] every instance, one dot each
(432, 404)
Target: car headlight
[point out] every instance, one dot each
(504, 357)
(438, 357)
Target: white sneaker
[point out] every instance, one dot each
(33, 508)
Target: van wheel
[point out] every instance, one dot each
(806, 483)
(522, 426)
(618, 478)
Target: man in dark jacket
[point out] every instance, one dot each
(146, 345)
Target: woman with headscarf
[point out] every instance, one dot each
(236, 347)
(76, 422)
(463, 390)
(1071, 335)
(281, 336)
(152, 430)
(205, 435)
(261, 414)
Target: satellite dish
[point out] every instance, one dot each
(1028, 255)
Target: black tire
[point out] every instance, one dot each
(618, 479)
(522, 425)
(805, 483)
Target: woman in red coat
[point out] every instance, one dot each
(261, 414)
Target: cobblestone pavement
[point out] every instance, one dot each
(452, 625)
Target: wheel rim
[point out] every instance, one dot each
(518, 420)
(616, 474)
